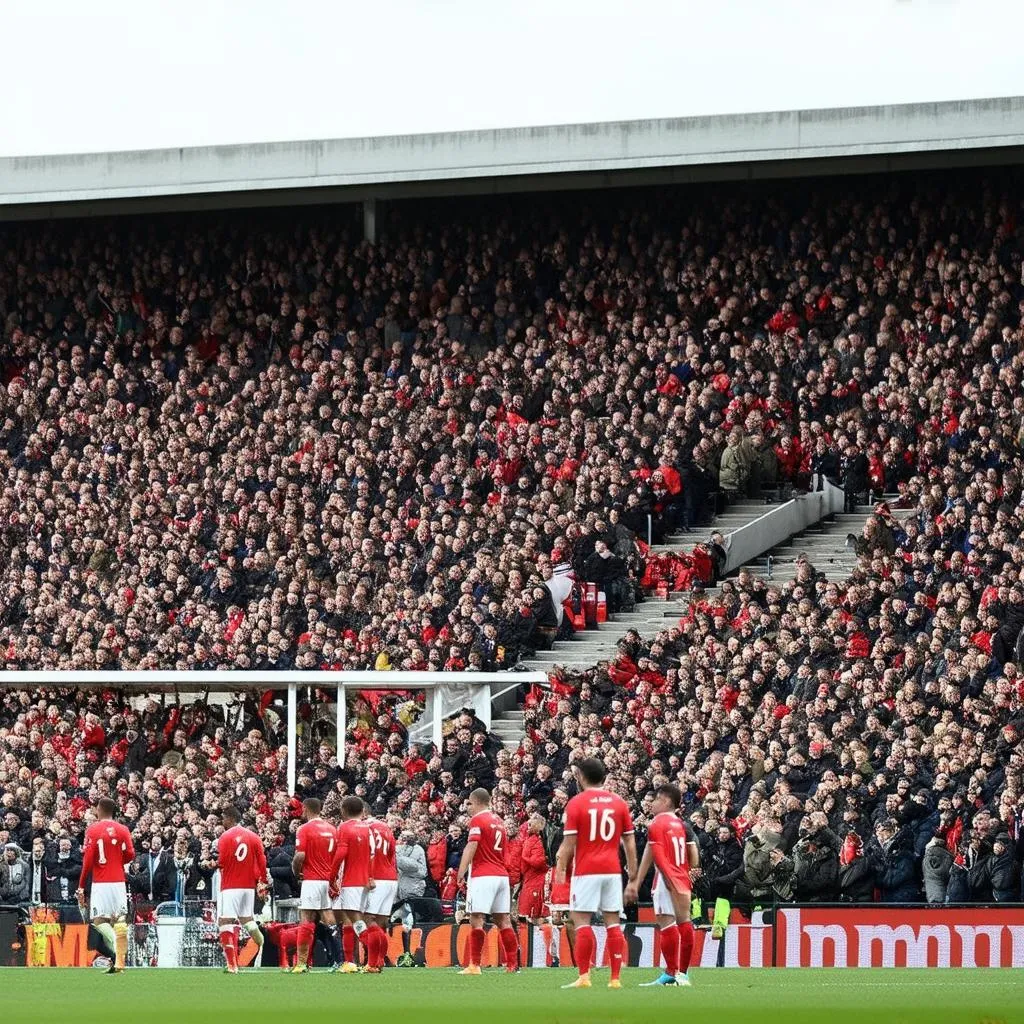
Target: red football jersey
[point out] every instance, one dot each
(382, 852)
(668, 837)
(242, 860)
(108, 847)
(317, 840)
(487, 830)
(598, 819)
(352, 854)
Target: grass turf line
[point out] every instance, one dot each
(897, 996)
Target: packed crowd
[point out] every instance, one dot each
(225, 446)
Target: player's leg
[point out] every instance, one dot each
(246, 918)
(668, 933)
(477, 939)
(585, 946)
(304, 938)
(109, 913)
(687, 935)
(616, 945)
(226, 934)
(501, 914)
(584, 902)
(611, 911)
(105, 930)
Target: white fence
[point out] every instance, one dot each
(446, 692)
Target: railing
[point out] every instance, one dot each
(443, 691)
(781, 522)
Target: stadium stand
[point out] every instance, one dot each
(261, 443)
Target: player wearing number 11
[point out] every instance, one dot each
(597, 822)
(243, 865)
(108, 847)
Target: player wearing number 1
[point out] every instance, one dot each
(673, 851)
(487, 888)
(243, 865)
(597, 822)
(108, 847)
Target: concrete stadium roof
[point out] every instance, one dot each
(784, 143)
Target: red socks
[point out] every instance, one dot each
(227, 940)
(476, 945)
(686, 940)
(585, 947)
(375, 940)
(670, 949)
(616, 951)
(348, 944)
(304, 946)
(510, 944)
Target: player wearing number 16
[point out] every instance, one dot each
(487, 888)
(108, 847)
(597, 822)
(243, 865)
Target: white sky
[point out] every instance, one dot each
(101, 75)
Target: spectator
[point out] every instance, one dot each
(738, 458)
(895, 865)
(63, 871)
(412, 868)
(856, 873)
(152, 874)
(816, 862)
(15, 878)
(767, 871)
(935, 869)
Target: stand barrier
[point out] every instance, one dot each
(808, 935)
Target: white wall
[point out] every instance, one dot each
(108, 75)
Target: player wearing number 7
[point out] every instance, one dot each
(108, 847)
(243, 865)
(673, 850)
(597, 822)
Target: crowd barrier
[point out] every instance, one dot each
(809, 935)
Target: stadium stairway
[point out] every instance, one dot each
(824, 544)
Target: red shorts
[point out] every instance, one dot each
(559, 899)
(531, 899)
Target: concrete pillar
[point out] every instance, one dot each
(370, 220)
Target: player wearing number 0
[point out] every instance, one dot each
(597, 822)
(313, 863)
(487, 888)
(673, 850)
(243, 866)
(381, 898)
(108, 848)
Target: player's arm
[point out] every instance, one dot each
(467, 859)
(299, 858)
(692, 852)
(629, 845)
(631, 894)
(338, 863)
(128, 852)
(87, 859)
(564, 855)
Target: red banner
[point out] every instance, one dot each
(886, 937)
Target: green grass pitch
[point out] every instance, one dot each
(422, 996)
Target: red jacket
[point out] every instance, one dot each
(437, 855)
(534, 860)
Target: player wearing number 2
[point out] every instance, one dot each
(487, 888)
(597, 822)
(673, 850)
(108, 847)
(243, 865)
